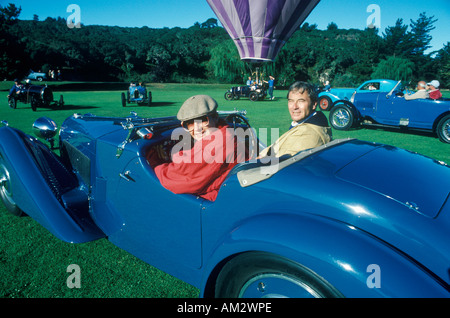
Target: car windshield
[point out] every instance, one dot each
(397, 87)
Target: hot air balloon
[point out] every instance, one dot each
(260, 28)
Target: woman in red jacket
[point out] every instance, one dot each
(202, 168)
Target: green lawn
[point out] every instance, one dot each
(33, 263)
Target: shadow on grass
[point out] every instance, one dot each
(89, 86)
(153, 104)
(73, 107)
(57, 108)
(400, 130)
(156, 104)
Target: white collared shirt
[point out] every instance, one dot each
(295, 123)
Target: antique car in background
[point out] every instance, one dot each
(136, 94)
(254, 92)
(328, 97)
(36, 96)
(37, 76)
(379, 227)
(390, 109)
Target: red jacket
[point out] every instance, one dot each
(201, 169)
(435, 94)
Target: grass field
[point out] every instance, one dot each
(33, 263)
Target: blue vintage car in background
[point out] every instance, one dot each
(36, 96)
(381, 103)
(379, 226)
(136, 94)
(328, 97)
(37, 76)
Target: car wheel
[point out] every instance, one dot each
(443, 129)
(253, 96)
(149, 98)
(12, 102)
(5, 192)
(229, 96)
(33, 103)
(341, 117)
(325, 103)
(61, 101)
(264, 275)
(124, 101)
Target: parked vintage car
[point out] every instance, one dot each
(254, 92)
(390, 109)
(328, 97)
(136, 94)
(37, 76)
(36, 96)
(379, 226)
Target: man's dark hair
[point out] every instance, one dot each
(302, 87)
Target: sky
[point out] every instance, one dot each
(346, 14)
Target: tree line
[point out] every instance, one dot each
(204, 53)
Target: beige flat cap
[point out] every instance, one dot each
(197, 106)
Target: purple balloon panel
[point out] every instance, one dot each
(260, 28)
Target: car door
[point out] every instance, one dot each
(159, 226)
(366, 103)
(394, 110)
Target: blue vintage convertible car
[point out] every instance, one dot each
(136, 94)
(384, 105)
(348, 219)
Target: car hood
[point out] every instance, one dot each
(419, 182)
(342, 93)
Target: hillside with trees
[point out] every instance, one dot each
(204, 53)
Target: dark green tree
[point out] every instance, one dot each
(395, 68)
(397, 40)
(420, 33)
(421, 38)
(443, 61)
(210, 23)
(225, 63)
(9, 14)
(12, 56)
(369, 48)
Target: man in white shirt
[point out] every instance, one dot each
(420, 93)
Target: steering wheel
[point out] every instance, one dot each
(407, 90)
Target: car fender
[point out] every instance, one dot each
(353, 261)
(350, 105)
(333, 97)
(34, 196)
(436, 122)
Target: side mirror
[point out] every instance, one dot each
(45, 128)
